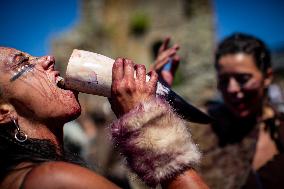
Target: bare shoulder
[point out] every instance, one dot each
(53, 175)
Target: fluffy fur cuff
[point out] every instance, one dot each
(155, 142)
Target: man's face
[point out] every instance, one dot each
(241, 83)
(29, 84)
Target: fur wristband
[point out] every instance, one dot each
(155, 142)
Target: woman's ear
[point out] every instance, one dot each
(7, 111)
(268, 77)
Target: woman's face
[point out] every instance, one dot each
(242, 84)
(29, 84)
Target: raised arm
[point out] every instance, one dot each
(167, 62)
(188, 180)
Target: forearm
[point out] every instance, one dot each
(188, 180)
(156, 143)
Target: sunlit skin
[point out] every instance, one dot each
(242, 84)
(37, 86)
(32, 98)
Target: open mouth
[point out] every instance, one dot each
(59, 81)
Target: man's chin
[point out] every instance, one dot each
(242, 114)
(74, 114)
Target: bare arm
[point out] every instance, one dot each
(188, 180)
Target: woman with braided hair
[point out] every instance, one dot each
(154, 140)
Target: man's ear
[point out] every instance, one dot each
(268, 77)
(7, 111)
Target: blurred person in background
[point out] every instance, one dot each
(244, 147)
(154, 141)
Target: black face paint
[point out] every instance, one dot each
(23, 70)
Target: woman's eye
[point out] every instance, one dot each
(223, 81)
(243, 78)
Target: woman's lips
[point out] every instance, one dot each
(65, 91)
(239, 105)
(70, 93)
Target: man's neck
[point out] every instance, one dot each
(52, 132)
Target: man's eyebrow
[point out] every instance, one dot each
(18, 61)
(17, 54)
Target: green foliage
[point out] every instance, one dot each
(139, 23)
(179, 77)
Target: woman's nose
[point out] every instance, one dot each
(233, 86)
(47, 62)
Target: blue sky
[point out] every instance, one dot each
(28, 25)
(264, 18)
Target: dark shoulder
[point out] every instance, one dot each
(280, 116)
(279, 135)
(222, 119)
(52, 175)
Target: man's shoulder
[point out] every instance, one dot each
(51, 175)
(56, 174)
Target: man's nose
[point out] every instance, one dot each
(47, 61)
(233, 86)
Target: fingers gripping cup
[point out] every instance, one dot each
(91, 73)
